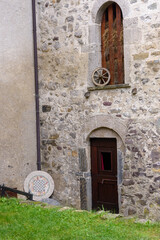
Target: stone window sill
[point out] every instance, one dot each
(109, 87)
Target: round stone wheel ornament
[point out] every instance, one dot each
(101, 76)
(40, 184)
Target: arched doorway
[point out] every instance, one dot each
(104, 127)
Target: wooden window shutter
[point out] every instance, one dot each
(112, 43)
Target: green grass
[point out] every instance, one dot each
(34, 222)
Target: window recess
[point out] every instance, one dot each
(112, 43)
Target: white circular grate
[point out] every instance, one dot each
(40, 184)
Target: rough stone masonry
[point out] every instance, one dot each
(70, 113)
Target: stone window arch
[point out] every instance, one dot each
(95, 45)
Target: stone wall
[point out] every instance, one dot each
(17, 100)
(68, 51)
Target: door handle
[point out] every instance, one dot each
(110, 180)
(103, 180)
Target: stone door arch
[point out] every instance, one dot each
(105, 126)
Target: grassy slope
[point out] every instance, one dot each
(21, 221)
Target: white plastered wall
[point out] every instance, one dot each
(17, 99)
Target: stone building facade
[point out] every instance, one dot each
(73, 110)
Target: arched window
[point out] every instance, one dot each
(112, 43)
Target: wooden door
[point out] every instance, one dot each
(104, 174)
